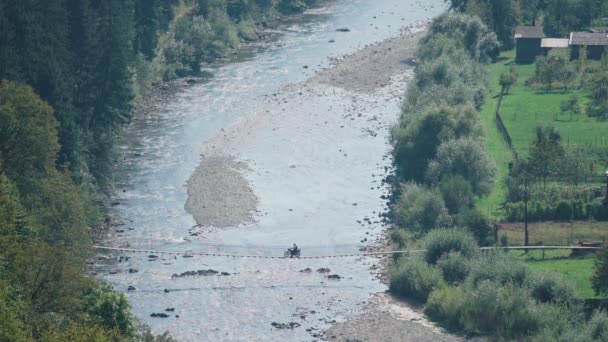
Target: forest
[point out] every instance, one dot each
(71, 71)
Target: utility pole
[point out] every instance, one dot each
(606, 198)
(526, 211)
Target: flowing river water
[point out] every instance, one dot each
(313, 154)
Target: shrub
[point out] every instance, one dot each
(440, 242)
(414, 279)
(466, 157)
(506, 311)
(499, 268)
(457, 193)
(599, 280)
(420, 209)
(454, 267)
(549, 288)
(597, 328)
(477, 223)
(416, 141)
(445, 305)
(563, 212)
(400, 237)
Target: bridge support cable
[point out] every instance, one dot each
(348, 255)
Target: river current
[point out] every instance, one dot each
(315, 178)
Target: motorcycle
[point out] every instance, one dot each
(291, 253)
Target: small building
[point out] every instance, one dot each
(548, 44)
(527, 43)
(595, 43)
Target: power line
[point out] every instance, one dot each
(193, 253)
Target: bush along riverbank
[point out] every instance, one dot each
(442, 167)
(70, 72)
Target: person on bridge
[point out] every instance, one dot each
(295, 251)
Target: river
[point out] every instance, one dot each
(314, 156)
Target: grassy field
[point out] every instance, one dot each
(522, 110)
(577, 270)
(495, 144)
(555, 233)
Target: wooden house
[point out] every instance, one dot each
(595, 43)
(528, 43)
(548, 44)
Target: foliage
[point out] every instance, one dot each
(598, 107)
(498, 268)
(550, 288)
(81, 332)
(554, 69)
(110, 310)
(445, 305)
(500, 16)
(545, 153)
(454, 267)
(565, 16)
(599, 280)
(476, 223)
(441, 242)
(414, 279)
(571, 106)
(417, 142)
(28, 134)
(9, 329)
(505, 311)
(420, 209)
(457, 193)
(466, 157)
(454, 31)
(507, 80)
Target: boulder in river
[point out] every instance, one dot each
(306, 270)
(131, 288)
(290, 325)
(199, 272)
(343, 29)
(133, 270)
(323, 270)
(334, 277)
(159, 315)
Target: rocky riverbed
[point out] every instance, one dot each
(293, 148)
(221, 194)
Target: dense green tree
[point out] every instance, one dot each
(457, 193)
(500, 16)
(546, 152)
(9, 325)
(28, 134)
(600, 274)
(466, 157)
(417, 143)
(598, 106)
(110, 310)
(420, 209)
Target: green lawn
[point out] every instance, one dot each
(522, 109)
(577, 270)
(495, 143)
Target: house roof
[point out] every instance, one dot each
(534, 32)
(555, 43)
(589, 38)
